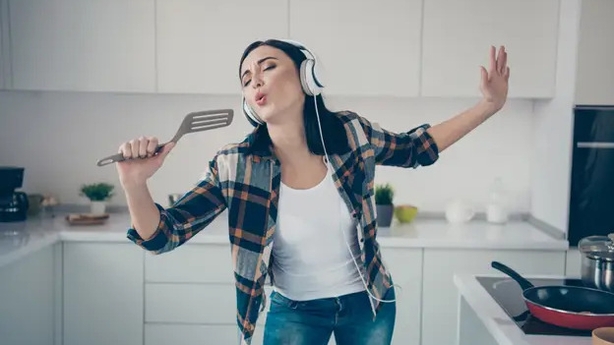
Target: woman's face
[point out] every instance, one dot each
(271, 85)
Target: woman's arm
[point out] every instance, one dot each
(162, 230)
(421, 146)
(452, 130)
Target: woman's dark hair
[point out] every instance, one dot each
(333, 130)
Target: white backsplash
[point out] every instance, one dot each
(58, 137)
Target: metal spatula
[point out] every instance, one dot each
(193, 122)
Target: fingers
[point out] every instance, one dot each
(502, 60)
(152, 145)
(493, 61)
(484, 74)
(142, 147)
(498, 61)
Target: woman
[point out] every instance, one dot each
(299, 195)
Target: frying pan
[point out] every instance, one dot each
(572, 307)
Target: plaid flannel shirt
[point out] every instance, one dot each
(245, 179)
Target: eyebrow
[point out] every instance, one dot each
(259, 62)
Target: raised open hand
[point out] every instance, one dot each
(494, 82)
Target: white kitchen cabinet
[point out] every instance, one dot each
(405, 265)
(199, 277)
(178, 334)
(594, 73)
(28, 300)
(191, 263)
(96, 45)
(364, 47)
(103, 293)
(457, 36)
(573, 263)
(200, 43)
(440, 296)
(203, 308)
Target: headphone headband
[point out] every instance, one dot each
(307, 75)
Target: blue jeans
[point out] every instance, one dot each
(348, 317)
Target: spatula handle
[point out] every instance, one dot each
(118, 157)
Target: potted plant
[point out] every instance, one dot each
(384, 193)
(98, 194)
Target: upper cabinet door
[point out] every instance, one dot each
(76, 45)
(364, 47)
(595, 74)
(200, 42)
(458, 35)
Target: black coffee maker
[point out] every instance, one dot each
(13, 204)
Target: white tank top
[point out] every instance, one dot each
(310, 256)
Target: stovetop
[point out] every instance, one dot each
(508, 294)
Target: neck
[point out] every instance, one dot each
(289, 142)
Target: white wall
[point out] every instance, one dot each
(58, 137)
(553, 129)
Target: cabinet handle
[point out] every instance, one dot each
(596, 145)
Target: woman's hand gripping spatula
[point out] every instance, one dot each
(193, 122)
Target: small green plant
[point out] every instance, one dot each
(97, 191)
(384, 193)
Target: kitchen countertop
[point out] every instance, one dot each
(22, 238)
(497, 323)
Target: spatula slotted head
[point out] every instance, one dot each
(193, 122)
(204, 120)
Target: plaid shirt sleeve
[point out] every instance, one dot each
(188, 216)
(407, 149)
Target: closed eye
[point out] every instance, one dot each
(265, 69)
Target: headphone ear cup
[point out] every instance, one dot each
(305, 77)
(308, 79)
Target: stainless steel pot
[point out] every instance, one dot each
(597, 266)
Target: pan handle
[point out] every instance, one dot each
(524, 284)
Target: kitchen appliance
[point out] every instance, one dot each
(597, 261)
(574, 307)
(193, 122)
(591, 197)
(13, 204)
(508, 295)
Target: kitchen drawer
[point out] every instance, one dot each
(164, 334)
(191, 263)
(193, 303)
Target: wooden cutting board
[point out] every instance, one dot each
(86, 218)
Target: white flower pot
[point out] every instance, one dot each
(98, 207)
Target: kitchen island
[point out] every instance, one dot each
(482, 320)
(132, 287)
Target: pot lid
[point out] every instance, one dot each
(599, 247)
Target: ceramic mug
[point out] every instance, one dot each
(458, 212)
(603, 336)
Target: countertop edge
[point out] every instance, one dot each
(41, 233)
(29, 249)
(388, 242)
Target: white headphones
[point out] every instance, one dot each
(309, 81)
